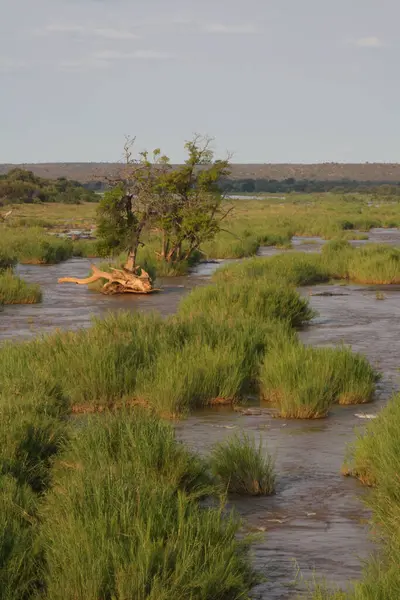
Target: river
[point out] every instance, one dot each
(316, 519)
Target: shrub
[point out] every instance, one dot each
(243, 466)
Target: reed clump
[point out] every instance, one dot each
(244, 466)
(14, 290)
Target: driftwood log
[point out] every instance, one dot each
(119, 281)
(3, 217)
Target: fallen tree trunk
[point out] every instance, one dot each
(119, 281)
(3, 217)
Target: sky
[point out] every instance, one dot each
(271, 81)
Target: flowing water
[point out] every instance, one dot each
(316, 520)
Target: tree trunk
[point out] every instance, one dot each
(117, 282)
(130, 262)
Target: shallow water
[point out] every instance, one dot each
(316, 518)
(70, 306)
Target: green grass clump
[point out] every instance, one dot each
(374, 456)
(259, 299)
(243, 466)
(34, 246)
(21, 556)
(228, 246)
(32, 430)
(304, 382)
(85, 248)
(194, 376)
(374, 459)
(7, 260)
(123, 519)
(14, 290)
(294, 268)
(208, 359)
(375, 264)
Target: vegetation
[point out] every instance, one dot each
(72, 489)
(123, 519)
(369, 264)
(14, 290)
(243, 466)
(304, 382)
(21, 186)
(182, 204)
(34, 246)
(256, 298)
(374, 459)
(91, 534)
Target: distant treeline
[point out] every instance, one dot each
(21, 186)
(285, 186)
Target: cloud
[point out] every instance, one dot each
(229, 29)
(368, 42)
(108, 55)
(83, 64)
(103, 32)
(9, 65)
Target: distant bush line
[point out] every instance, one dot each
(285, 186)
(20, 186)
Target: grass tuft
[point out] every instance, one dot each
(243, 466)
(14, 290)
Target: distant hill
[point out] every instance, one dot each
(373, 172)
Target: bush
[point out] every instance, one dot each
(243, 466)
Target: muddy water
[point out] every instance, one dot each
(316, 518)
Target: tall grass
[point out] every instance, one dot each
(123, 519)
(304, 382)
(243, 466)
(32, 431)
(33, 246)
(369, 264)
(85, 248)
(7, 260)
(251, 298)
(374, 459)
(14, 290)
(290, 269)
(21, 557)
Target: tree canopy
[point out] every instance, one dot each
(182, 205)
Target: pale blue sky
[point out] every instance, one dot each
(271, 80)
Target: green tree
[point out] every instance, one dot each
(183, 204)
